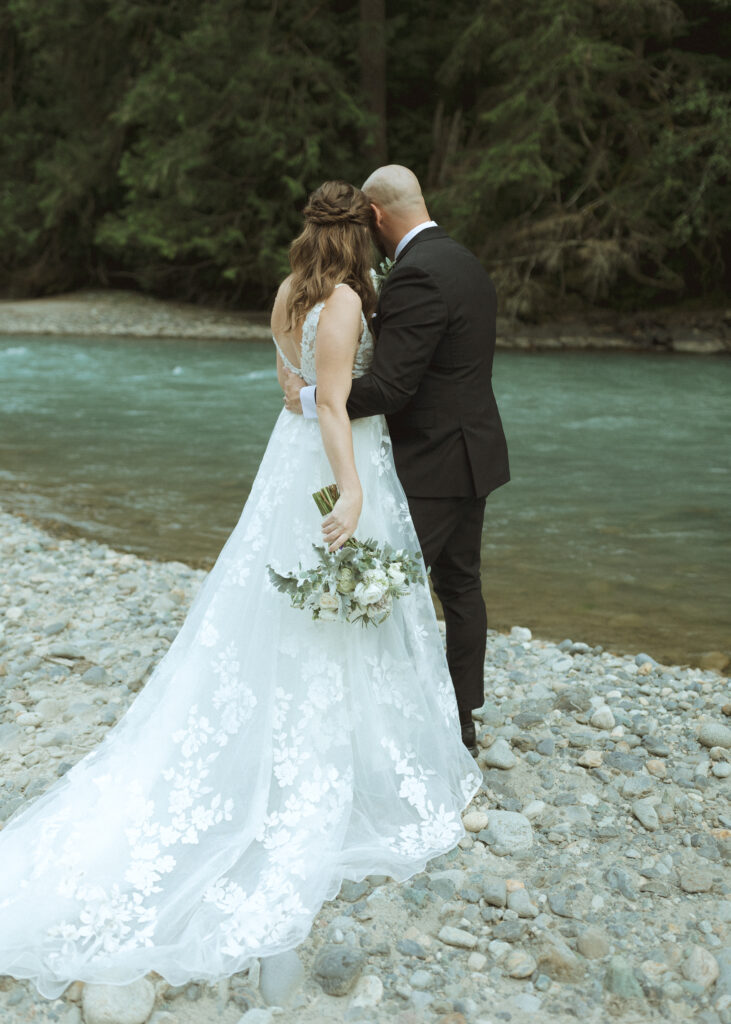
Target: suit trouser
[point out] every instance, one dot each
(450, 534)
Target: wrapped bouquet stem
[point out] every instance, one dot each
(357, 583)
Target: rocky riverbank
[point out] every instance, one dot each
(592, 882)
(124, 313)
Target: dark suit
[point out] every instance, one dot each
(432, 378)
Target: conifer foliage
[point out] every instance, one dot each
(581, 147)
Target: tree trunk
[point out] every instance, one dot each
(373, 73)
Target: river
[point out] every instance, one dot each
(615, 528)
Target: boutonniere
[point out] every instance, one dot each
(379, 276)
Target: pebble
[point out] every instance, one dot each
(520, 964)
(620, 979)
(592, 943)
(603, 718)
(475, 821)
(697, 880)
(118, 1004)
(337, 968)
(700, 967)
(367, 993)
(591, 759)
(280, 977)
(646, 814)
(498, 755)
(457, 937)
(557, 960)
(508, 833)
(714, 734)
(520, 902)
(495, 891)
(587, 881)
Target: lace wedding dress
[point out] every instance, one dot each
(268, 757)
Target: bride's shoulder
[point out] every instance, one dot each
(343, 299)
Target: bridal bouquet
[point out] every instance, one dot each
(358, 583)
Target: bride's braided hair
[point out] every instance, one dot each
(335, 245)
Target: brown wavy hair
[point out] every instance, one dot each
(335, 246)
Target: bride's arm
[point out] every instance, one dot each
(338, 332)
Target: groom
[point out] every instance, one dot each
(432, 378)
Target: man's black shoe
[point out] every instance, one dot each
(469, 737)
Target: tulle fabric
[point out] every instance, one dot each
(267, 758)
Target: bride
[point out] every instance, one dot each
(269, 756)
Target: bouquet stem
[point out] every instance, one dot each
(325, 500)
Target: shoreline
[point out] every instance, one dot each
(591, 881)
(94, 313)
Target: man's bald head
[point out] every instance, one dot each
(398, 206)
(394, 188)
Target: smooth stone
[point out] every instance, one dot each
(281, 975)
(714, 734)
(695, 880)
(520, 902)
(592, 943)
(499, 755)
(521, 633)
(603, 718)
(700, 967)
(367, 993)
(646, 814)
(118, 1004)
(410, 948)
(639, 785)
(457, 937)
(337, 968)
(590, 759)
(656, 767)
(498, 949)
(557, 960)
(421, 979)
(520, 964)
(509, 930)
(508, 833)
(526, 1003)
(351, 892)
(475, 821)
(494, 891)
(476, 961)
(620, 979)
(721, 770)
(546, 746)
(644, 659)
(94, 675)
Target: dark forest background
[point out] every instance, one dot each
(581, 147)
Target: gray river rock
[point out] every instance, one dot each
(559, 903)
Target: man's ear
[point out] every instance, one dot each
(377, 215)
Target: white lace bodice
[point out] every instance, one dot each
(363, 354)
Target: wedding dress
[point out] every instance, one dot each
(268, 757)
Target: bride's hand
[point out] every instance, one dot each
(340, 524)
(292, 386)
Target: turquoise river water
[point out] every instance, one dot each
(615, 529)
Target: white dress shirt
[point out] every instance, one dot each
(307, 393)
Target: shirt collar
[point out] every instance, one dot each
(412, 234)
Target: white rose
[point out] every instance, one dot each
(381, 609)
(396, 576)
(373, 587)
(329, 606)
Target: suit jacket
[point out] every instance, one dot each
(432, 371)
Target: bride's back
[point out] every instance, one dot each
(344, 332)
